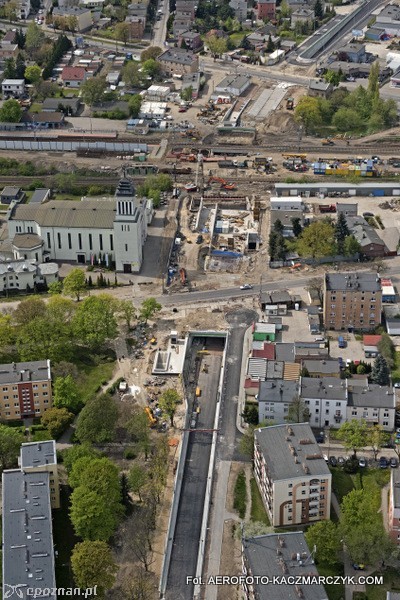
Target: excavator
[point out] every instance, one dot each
(224, 184)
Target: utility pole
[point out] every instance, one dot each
(300, 136)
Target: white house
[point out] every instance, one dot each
(286, 203)
(111, 229)
(25, 275)
(372, 403)
(326, 398)
(23, 9)
(13, 88)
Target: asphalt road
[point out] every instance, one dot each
(190, 512)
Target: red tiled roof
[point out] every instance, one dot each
(251, 383)
(371, 340)
(267, 352)
(73, 73)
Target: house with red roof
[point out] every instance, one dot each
(73, 77)
(370, 344)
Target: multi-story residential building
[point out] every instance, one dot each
(274, 400)
(28, 494)
(394, 506)
(352, 301)
(266, 9)
(292, 475)
(326, 399)
(83, 16)
(275, 555)
(192, 40)
(23, 8)
(138, 8)
(28, 552)
(372, 403)
(25, 389)
(178, 61)
(13, 88)
(39, 457)
(136, 26)
(115, 228)
(241, 9)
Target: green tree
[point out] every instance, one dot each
(351, 246)
(332, 77)
(317, 240)
(93, 565)
(100, 475)
(122, 32)
(217, 45)
(298, 411)
(7, 334)
(9, 10)
(55, 288)
(285, 10)
(316, 285)
(43, 339)
(138, 428)
(347, 119)
(77, 451)
(307, 112)
(250, 414)
(318, 10)
(341, 232)
(97, 420)
(353, 435)
(127, 312)
(361, 370)
(152, 52)
(33, 73)
(9, 69)
(187, 93)
(95, 320)
(296, 225)
(150, 307)
(373, 81)
(377, 438)
(66, 394)
(168, 403)
(135, 102)
(10, 112)
(325, 536)
(56, 421)
(270, 45)
(380, 373)
(92, 90)
(34, 37)
(387, 349)
(10, 443)
(130, 73)
(137, 479)
(151, 68)
(91, 515)
(29, 309)
(74, 284)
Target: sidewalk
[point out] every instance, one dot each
(241, 398)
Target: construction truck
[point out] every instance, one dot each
(183, 276)
(224, 184)
(289, 104)
(328, 142)
(150, 416)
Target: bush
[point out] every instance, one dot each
(240, 495)
(129, 454)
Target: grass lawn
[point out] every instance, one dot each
(258, 512)
(371, 480)
(239, 495)
(391, 583)
(335, 592)
(236, 38)
(94, 371)
(64, 541)
(396, 368)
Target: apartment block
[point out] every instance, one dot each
(375, 404)
(394, 506)
(280, 555)
(25, 389)
(292, 475)
(352, 301)
(39, 457)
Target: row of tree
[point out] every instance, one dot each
(360, 111)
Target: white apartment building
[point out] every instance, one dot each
(292, 475)
(326, 398)
(113, 229)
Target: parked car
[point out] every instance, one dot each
(320, 438)
(326, 459)
(341, 461)
(319, 339)
(246, 286)
(332, 461)
(397, 384)
(383, 462)
(362, 462)
(393, 462)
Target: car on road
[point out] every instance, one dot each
(383, 462)
(333, 461)
(397, 384)
(362, 462)
(393, 462)
(246, 286)
(319, 339)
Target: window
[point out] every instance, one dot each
(37, 410)
(385, 423)
(90, 242)
(111, 242)
(5, 389)
(44, 386)
(48, 239)
(69, 241)
(290, 494)
(35, 386)
(7, 405)
(80, 241)
(126, 247)
(101, 241)
(16, 404)
(59, 240)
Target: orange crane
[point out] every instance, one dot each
(224, 184)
